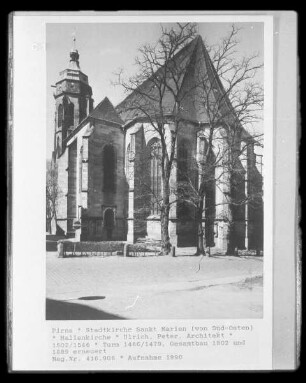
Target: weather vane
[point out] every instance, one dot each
(73, 39)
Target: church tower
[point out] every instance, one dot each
(73, 101)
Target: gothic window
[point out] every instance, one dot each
(109, 169)
(155, 172)
(80, 169)
(133, 143)
(58, 148)
(202, 148)
(129, 156)
(60, 116)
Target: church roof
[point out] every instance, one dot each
(106, 111)
(103, 111)
(193, 67)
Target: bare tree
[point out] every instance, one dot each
(226, 89)
(158, 80)
(53, 194)
(233, 102)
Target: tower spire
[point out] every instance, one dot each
(74, 55)
(73, 40)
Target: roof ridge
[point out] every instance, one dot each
(175, 57)
(191, 60)
(218, 80)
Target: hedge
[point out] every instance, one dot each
(68, 248)
(74, 249)
(137, 250)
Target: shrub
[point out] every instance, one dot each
(73, 249)
(138, 250)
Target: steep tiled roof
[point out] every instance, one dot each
(106, 111)
(195, 67)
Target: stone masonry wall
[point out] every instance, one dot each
(62, 174)
(98, 199)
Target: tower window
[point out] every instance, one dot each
(109, 169)
(60, 116)
(69, 118)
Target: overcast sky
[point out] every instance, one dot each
(104, 48)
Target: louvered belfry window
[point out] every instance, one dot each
(60, 115)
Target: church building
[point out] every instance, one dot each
(105, 154)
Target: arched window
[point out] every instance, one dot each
(60, 116)
(69, 118)
(155, 172)
(109, 169)
(80, 169)
(128, 159)
(202, 148)
(58, 148)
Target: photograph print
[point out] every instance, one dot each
(154, 171)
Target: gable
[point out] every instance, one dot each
(194, 68)
(106, 111)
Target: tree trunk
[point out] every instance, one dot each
(55, 220)
(165, 238)
(164, 220)
(230, 233)
(201, 240)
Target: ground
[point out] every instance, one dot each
(184, 287)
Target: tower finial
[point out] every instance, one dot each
(74, 54)
(73, 40)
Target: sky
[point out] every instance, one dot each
(104, 48)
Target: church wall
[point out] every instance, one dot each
(183, 230)
(62, 164)
(186, 226)
(143, 134)
(72, 186)
(98, 199)
(255, 211)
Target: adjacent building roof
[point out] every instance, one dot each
(106, 111)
